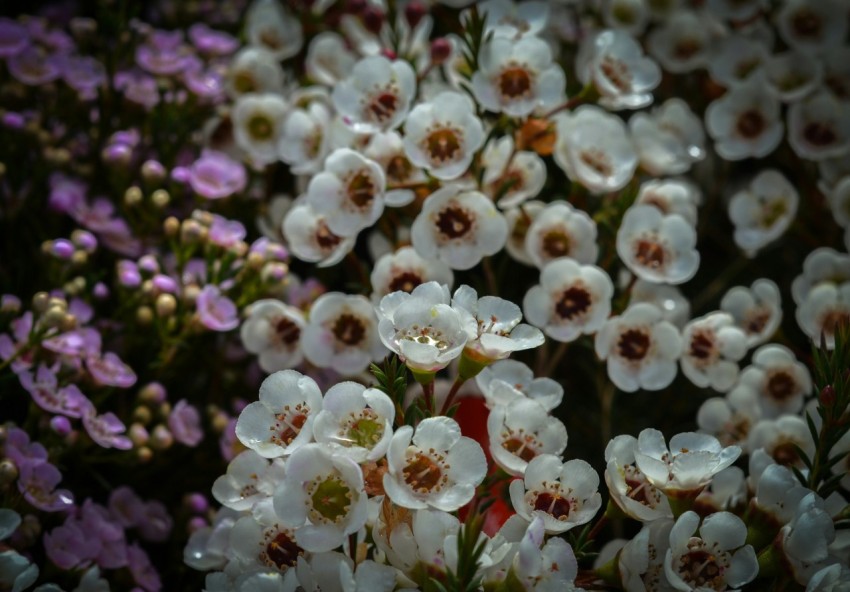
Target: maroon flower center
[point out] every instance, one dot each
(514, 82)
(750, 124)
(781, 386)
(702, 346)
(422, 473)
(819, 134)
(349, 329)
(633, 344)
(383, 106)
(649, 253)
(443, 145)
(326, 239)
(454, 222)
(520, 447)
(556, 243)
(405, 282)
(361, 190)
(283, 552)
(574, 302)
(807, 23)
(287, 331)
(556, 505)
(617, 73)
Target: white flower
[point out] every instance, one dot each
(421, 327)
(376, 95)
(349, 192)
(570, 300)
(791, 75)
(819, 126)
(745, 122)
(273, 330)
(736, 10)
(687, 467)
(508, 380)
(328, 60)
(630, 16)
(259, 542)
(812, 27)
(717, 559)
(519, 221)
(657, 247)
(387, 149)
(832, 578)
(443, 134)
(515, 77)
(594, 148)
(778, 492)
(826, 306)
(730, 418)
(552, 566)
(282, 420)
(493, 326)
(433, 466)
(250, 478)
(522, 430)
(321, 497)
(369, 576)
(613, 60)
(805, 540)
(511, 177)
(560, 230)
(641, 348)
(310, 239)
(563, 494)
(271, 26)
(757, 309)
(737, 59)
(341, 333)
(404, 270)
(305, 138)
(253, 70)
(838, 198)
(258, 125)
(458, 227)
(416, 539)
(514, 19)
(628, 486)
(671, 196)
(669, 139)
(641, 562)
(711, 348)
(682, 43)
(358, 419)
(821, 265)
(674, 307)
(781, 437)
(778, 378)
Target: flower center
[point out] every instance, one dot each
(574, 302)
(702, 346)
(331, 499)
(806, 23)
(701, 568)
(423, 474)
(398, 169)
(326, 239)
(405, 282)
(271, 39)
(556, 243)
(288, 424)
(639, 489)
(260, 127)
(282, 551)
(515, 82)
(382, 106)
(349, 329)
(786, 454)
(553, 503)
(687, 48)
(443, 145)
(833, 319)
(781, 386)
(454, 222)
(366, 430)
(772, 212)
(819, 134)
(287, 331)
(361, 189)
(751, 124)
(617, 73)
(756, 321)
(650, 253)
(244, 83)
(633, 344)
(427, 335)
(596, 160)
(520, 446)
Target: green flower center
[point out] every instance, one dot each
(331, 499)
(366, 431)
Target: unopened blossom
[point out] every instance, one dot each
(433, 466)
(778, 378)
(458, 227)
(443, 134)
(321, 497)
(357, 419)
(614, 62)
(826, 307)
(745, 122)
(268, 24)
(273, 331)
(791, 75)
(258, 125)
(738, 59)
(522, 430)
(404, 270)
(657, 247)
(687, 466)
(781, 437)
(628, 486)
(711, 347)
(571, 299)
(511, 176)
(682, 44)
(282, 420)
(328, 60)
(216, 176)
(506, 381)
(376, 95)
(812, 28)
(669, 139)
(349, 192)
(671, 196)
(216, 311)
(824, 264)
(819, 126)
(594, 148)
(515, 77)
(493, 326)
(716, 559)
(675, 308)
(560, 230)
(310, 238)
(757, 310)
(563, 494)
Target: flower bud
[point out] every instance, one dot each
(133, 196)
(171, 226)
(196, 503)
(153, 171)
(40, 301)
(441, 50)
(60, 425)
(373, 19)
(161, 438)
(62, 249)
(414, 13)
(166, 304)
(142, 415)
(79, 258)
(138, 434)
(152, 393)
(145, 454)
(8, 472)
(85, 240)
(827, 396)
(144, 315)
(68, 322)
(160, 198)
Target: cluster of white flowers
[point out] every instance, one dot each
(439, 154)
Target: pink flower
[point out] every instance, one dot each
(37, 482)
(215, 175)
(143, 570)
(216, 312)
(106, 429)
(45, 392)
(111, 371)
(185, 424)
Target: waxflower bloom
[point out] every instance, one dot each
(778, 379)
(745, 122)
(422, 327)
(311, 239)
(641, 348)
(628, 486)
(508, 380)
(560, 230)
(657, 247)
(376, 95)
(404, 270)
(216, 311)
(433, 466)
(757, 310)
(522, 430)
(215, 175)
(563, 494)
(258, 125)
(282, 420)
(763, 211)
(272, 330)
(711, 348)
